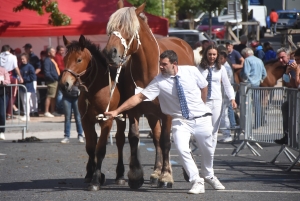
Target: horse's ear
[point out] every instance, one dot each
(66, 42)
(120, 4)
(82, 42)
(140, 9)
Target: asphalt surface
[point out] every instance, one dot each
(49, 170)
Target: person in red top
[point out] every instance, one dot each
(59, 59)
(273, 19)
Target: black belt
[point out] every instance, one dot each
(205, 115)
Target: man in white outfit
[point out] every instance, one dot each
(192, 117)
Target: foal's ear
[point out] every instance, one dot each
(82, 42)
(66, 42)
(120, 4)
(140, 9)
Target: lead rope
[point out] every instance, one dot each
(123, 59)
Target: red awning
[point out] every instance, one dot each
(89, 17)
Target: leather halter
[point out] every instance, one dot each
(77, 76)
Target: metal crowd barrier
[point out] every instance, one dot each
(14, 121)
(261, 118)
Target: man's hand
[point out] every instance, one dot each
(111, 114)
(21, 80)
(233, 103)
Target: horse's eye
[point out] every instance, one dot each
(79, 60)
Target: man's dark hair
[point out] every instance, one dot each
(204, 41)
(170, 54)
(224, 54)
(5, 48)
(297, 53)
(59, 47)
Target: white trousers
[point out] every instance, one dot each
(25, 97)
(33, 101)
(201, 128)
(215, 106)
(225, 123)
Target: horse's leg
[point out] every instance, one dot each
(90, 146)
(98, 177)
(166, 178)
(155, 126)
(135, 173)
(120, 141)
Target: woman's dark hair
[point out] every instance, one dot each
(204, 61)
(297, 53)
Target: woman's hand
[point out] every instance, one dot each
(233, 103)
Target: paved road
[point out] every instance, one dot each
(48, 170)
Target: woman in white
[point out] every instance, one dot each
(215, 73)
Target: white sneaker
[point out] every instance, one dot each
(197, 188)
(80, 139)
(48, 114)
(65, 140)
(2, 136)
(225, 139)
(24, 118)
(214, 182)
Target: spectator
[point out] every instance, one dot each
(35, 62)
(270, 54)
(273, 19)
(204, 44)
(70, 100)
(10, 63)
(216, 75)
(242, 45)
(51, 73)
(59, 59)
(4, 80)
(257, 49)
(42, 92)
(254, 72)
(28, 74)
(227, 114)
(292, 80)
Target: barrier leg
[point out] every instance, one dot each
(23, 133)
(289, 154)
(293, 164)
(258, 145)
(279, 152)
(255, 153)
(239, 148)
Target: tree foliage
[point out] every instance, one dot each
(56, 17)
(153, 7)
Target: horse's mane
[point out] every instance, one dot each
(125, 20)
(272, 61)
(94, 49)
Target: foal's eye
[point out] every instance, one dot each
(79, 60)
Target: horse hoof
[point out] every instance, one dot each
(93, 187)
(102, 180)
(87, 180)
(163, 184)
(153, 181)
(186, 177)
(135, 184)
(120, 181)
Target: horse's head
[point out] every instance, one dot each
(76, 61)
(124, 31)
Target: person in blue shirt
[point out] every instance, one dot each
(257, 49)
(270, 54)
(28, 73)
(254, 72)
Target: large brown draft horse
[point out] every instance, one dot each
(130, 35)
(86, 66)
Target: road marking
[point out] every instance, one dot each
(2, 154)
(249, 191)
(218, 155)
(142, 144)
(173, 162)
(150, 149)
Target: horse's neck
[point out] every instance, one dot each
(277, 72)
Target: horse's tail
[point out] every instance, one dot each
(197, 56)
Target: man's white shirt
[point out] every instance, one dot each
(164, 87)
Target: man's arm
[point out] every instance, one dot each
(128, 104)
(238, 66)
(204, 94)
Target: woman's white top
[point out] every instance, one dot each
(218, 77)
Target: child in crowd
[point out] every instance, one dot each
(28, 73)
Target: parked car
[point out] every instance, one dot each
(190, 36)
(288, 19)
(218, 28)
